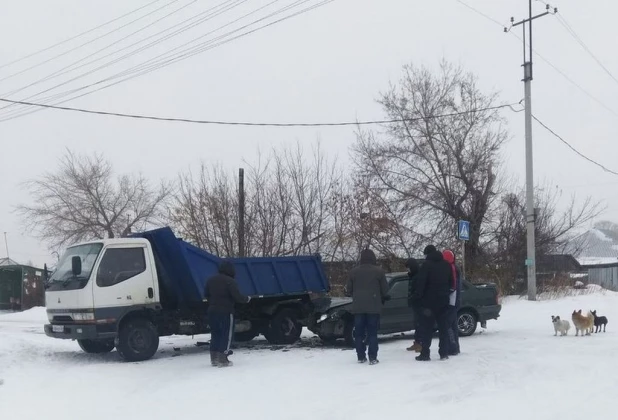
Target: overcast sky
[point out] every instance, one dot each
(327, 65)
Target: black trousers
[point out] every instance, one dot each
(429, 317)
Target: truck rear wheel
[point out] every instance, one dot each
(96, 346)
(284, 328)
(138, 340)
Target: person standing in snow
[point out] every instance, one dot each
(222, 293)
(432, 293)
(454, 302)
(368, 288)
(413, 267)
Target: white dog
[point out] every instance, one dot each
(560, 326)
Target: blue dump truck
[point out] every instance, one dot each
(125, 293)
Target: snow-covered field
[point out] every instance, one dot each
(516, 369)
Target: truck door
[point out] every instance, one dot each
(125, 277)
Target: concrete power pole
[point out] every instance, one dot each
(241, 212)
(530, 213)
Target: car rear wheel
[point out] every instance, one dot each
(467, 322)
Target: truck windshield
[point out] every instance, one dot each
(63, 275)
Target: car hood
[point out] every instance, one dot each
(326, 304)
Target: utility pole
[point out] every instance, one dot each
(530, 213)
(241, 212)
(6, 243)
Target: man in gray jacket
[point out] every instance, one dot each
(368, 288)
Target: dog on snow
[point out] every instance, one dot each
(599, 321)
(582, 323)
(560, 326)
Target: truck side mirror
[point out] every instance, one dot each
(76, 265)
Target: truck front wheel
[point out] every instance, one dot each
(96, 346)
(284, 328)
(138, 340)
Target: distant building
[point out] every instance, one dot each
(21, 286)
(597, 253)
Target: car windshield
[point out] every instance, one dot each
(88, 254)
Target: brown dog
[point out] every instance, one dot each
(585, 324)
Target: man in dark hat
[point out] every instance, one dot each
(432, 294)
(222, 293)
(369, 290)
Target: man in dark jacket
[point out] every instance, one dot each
(454, 302)
(432, 295)
(413, 268)
(368, 288)
(222, 294)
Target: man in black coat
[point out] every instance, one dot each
(432, 294)
(222, 294)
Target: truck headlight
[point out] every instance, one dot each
(87, 316)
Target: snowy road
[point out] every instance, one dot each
(516, 369)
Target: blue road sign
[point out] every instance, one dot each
(463, 230)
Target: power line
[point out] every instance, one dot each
(85, 43)
(594, 162)
(252, 124)
(76, 36)
(145, 68)
(572, 32)
(130, 54)
(549, 63)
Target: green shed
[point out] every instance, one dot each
(21, 286)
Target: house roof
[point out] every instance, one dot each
(596, 247)
(7, 261)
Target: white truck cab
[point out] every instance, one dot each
(95, 285)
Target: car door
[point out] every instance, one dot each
(397, 316)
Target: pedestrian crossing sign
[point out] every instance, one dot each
(463, 230)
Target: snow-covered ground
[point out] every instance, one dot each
(516, 369)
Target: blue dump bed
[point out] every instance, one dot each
(183, 270)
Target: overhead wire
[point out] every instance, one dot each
(164, 61)
(545, 60)
(76, 36)
(594, 162)
(86, 43)
(66, 71)
(255, 124)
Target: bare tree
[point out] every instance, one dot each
(506, 247)
(82, 200)
(438, 164)
(288, 208)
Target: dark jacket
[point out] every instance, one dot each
(413, 267)
(367, 285)
(433, 282)
(222, 291)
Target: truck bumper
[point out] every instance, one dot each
(489, 312)
(77, 332)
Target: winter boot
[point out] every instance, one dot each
(416, 346)
(214, 361)
(423, 358)
(374, 362)
(223, 360)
